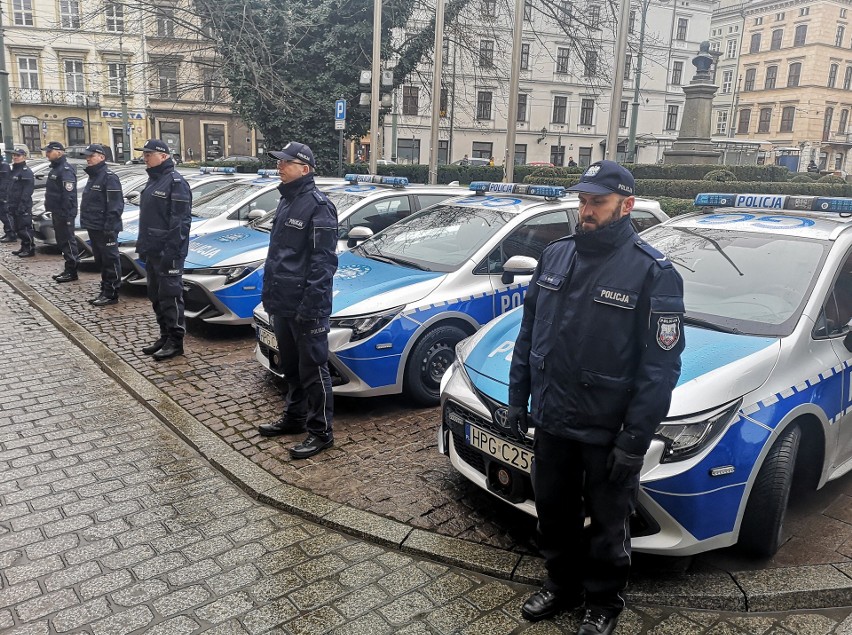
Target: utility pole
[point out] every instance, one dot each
(618, 80)
(122, 79)
(5, 100)
(375, 79)
(514, 80)
(634, 113)
(437, 68)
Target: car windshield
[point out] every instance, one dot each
(342, 200)
(754, 283)
(220, 201)
(440, 238)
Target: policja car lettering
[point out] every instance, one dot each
(668, 332)
(203, 250)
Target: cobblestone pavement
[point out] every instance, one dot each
(109, 524)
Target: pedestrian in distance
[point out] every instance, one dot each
(60, 201)
(491, 161)
(5, 181)
(101, 207)
(599, 354)
(297, 292)
(19, 204)
(464, 160)
(164, 218)
(571, 162)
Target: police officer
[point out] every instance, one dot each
(19, 204)
(599, 354)
(100, 214)
(5, 182)
(297, 288)
(60, 199)
(164, 218)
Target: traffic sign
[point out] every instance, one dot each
(340, 124)
(340, 110)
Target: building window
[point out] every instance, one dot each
(758, 21)
(525, 57)
(31, 136)
(794, 75)
(211, 87)
(714, 46)
(838, 37)
(750, 74)
(566, 13)
(628, 66)
(410, 100)
(754, 45)
(777, 36)
(482, 149)
(731, 49)
(483, 105)
(832, 75)
(721, 122)
(114, 12)
(622, 115)
(560, 107)
(73, 75)
(682, 26)
(76, 136)
(520, 153)
(843, 13)
(444, 103)
(771, 76)
(590, 66)
(486, 53)
(557, 155)
(801, 35)
(671, 118)
(727, 78)
(488, 7)
(787, 115)
(587, 112)
(847, 78)
(779, 16)
(69, 14)
(764, 119)
(744, 120)
(28, 72)
(527, 10)
(562, 60)
(631, 25)
(826, 122)
(844, 119)
(594, 16)
(522, 106)
(22, 12)
(677, 73)
(165, 22)
(117, 74)
(167, 76)
(804, 11)
(408, 151)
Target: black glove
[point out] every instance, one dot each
(516, 422)
(110, 237)
(623, 466)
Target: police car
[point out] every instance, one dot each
(223, 272)
(404, 298)
(765, 392)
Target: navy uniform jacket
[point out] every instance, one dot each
(302, 256)
(20, 198)
(60, 193)
(600, 339)
(164, 213)
(5, 181)
(103, 200)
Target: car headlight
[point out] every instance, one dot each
(365, 325)
(462, 349)
(686, 437)
(232, 274)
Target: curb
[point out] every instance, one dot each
(788, 588)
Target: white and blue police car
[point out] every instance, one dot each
(765, 392)
(404, 298)
(223, 272)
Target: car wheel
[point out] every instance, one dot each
(760, 532)
(430, 358)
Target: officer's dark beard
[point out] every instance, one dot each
(616, 214)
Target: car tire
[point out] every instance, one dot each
(760, 532)
(430, 358)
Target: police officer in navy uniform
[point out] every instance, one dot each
(164, 219)
(5, 181)
(597, 358)
(101, 207)
(60, 199)
(297, 291)
(19, 204)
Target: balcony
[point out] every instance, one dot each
(54, 97)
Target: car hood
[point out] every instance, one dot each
(131, 229)
(715, 367)
(235, 246)
(363, 285)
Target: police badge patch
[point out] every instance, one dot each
(668, 332)
(69, 186)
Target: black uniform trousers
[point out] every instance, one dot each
(570, 481)
(108, 259)
(303, 350)
(7, 220)
(23, 224)
(165, 291)
(66, 241)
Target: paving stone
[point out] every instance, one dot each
(43, 605)
(225, 608)
(19, 593)
(275, 586)
(80, 615)
(233, 579)
(207, 548)
(33, 570)
(453, 616)
(369, 624)
(140, 593)
(124, 622)
(181, 600)
(795, 587)
(405, 608)
(71, 575)
(103, 584)
(127, 557)
(361, 600)
(318, 621)
(194, 573)
(262, 619)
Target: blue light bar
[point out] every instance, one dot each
(548, 191)
(206, 169)
(826, 204)
(267, 172)
(714, 200)
(776, 201)
(395, 181)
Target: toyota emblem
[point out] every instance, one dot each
(501, 417)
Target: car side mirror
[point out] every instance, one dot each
(518, 266)
(256, 213)
(357, 235)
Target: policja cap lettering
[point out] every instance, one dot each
(54, 145)
(154, 145)
(93, 148)
(295, 151)
(606, 177)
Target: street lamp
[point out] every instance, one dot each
(634, 113)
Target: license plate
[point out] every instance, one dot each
(267, 338)
(498, 448)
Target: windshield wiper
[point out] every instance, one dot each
(398, 261)
(696, 321)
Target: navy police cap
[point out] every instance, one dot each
(295, 151)
(93, 148)
(54, 145)
(154, 145)
(606, 177)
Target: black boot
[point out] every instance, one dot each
(171, 348)
(66, 276)
(545, 603)
(151, 348)
(597, 623)
(26, 253)
(19, 251)
(285, 425)
(310, 446)
(8, 238)
(104, 301)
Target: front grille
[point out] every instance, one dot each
(194, 299)
(473, 458)
(127, 265)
